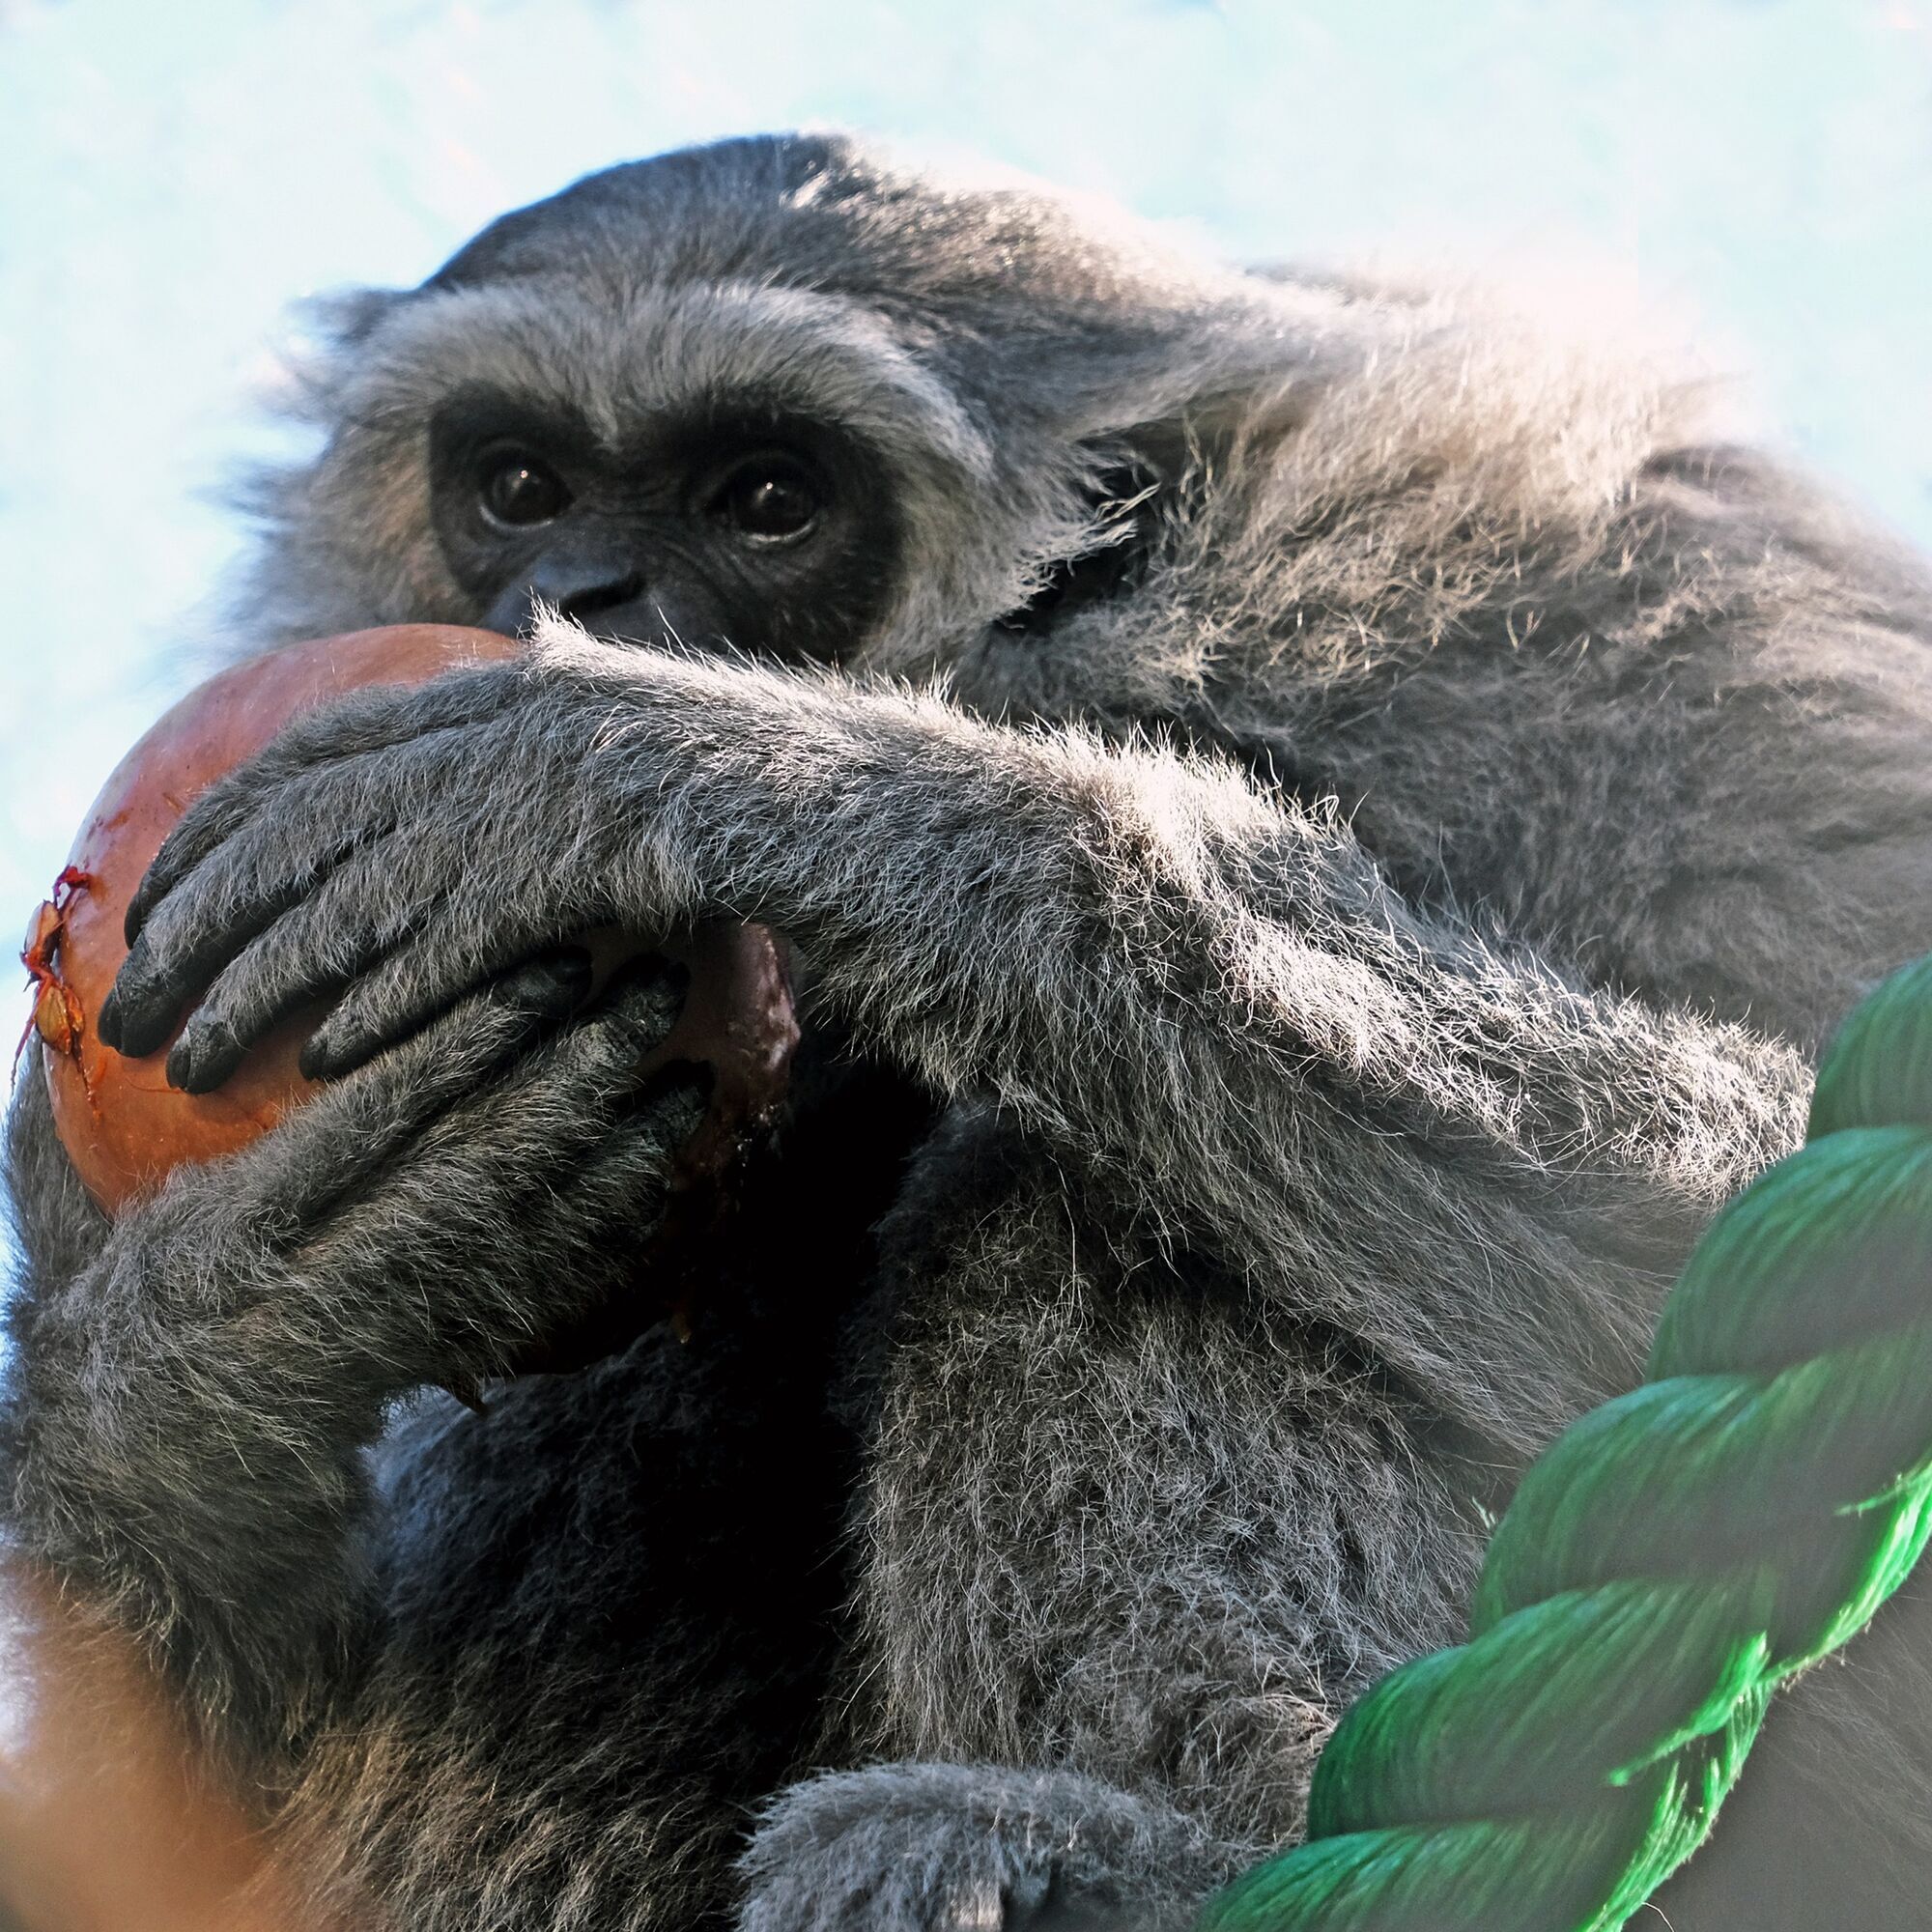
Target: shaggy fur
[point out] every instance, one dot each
(1280, 1006)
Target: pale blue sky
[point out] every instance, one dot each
(170, 174)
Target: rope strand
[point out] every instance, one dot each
(1667, 1561)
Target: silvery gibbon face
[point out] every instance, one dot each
(752, 527)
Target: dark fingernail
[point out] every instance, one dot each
(142, 1020)
(107, 1021)
(328, 1056)
(204, 1057)
(647, 1000)
(654, 971)
(145, 1032)
(554, 985)
(675, 1099)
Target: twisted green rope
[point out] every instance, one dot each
(1667, 1561)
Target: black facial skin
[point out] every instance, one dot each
(764, 533)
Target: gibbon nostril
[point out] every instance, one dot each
(576, 594)
(581, 604)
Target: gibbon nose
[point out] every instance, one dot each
(579, 587)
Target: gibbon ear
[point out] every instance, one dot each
(1172, 436)
(1126, 496)
(1143, 476)
(1218, 422)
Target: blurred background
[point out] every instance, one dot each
(172, 176)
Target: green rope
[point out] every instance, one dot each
(1669, 1559)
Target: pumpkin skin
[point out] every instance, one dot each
(124, 1127)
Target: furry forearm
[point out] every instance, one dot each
(1211, 999)
(997, 906)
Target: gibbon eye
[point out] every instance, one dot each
(768, 499)
(519, 489)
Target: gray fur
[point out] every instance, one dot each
(1348, 961)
